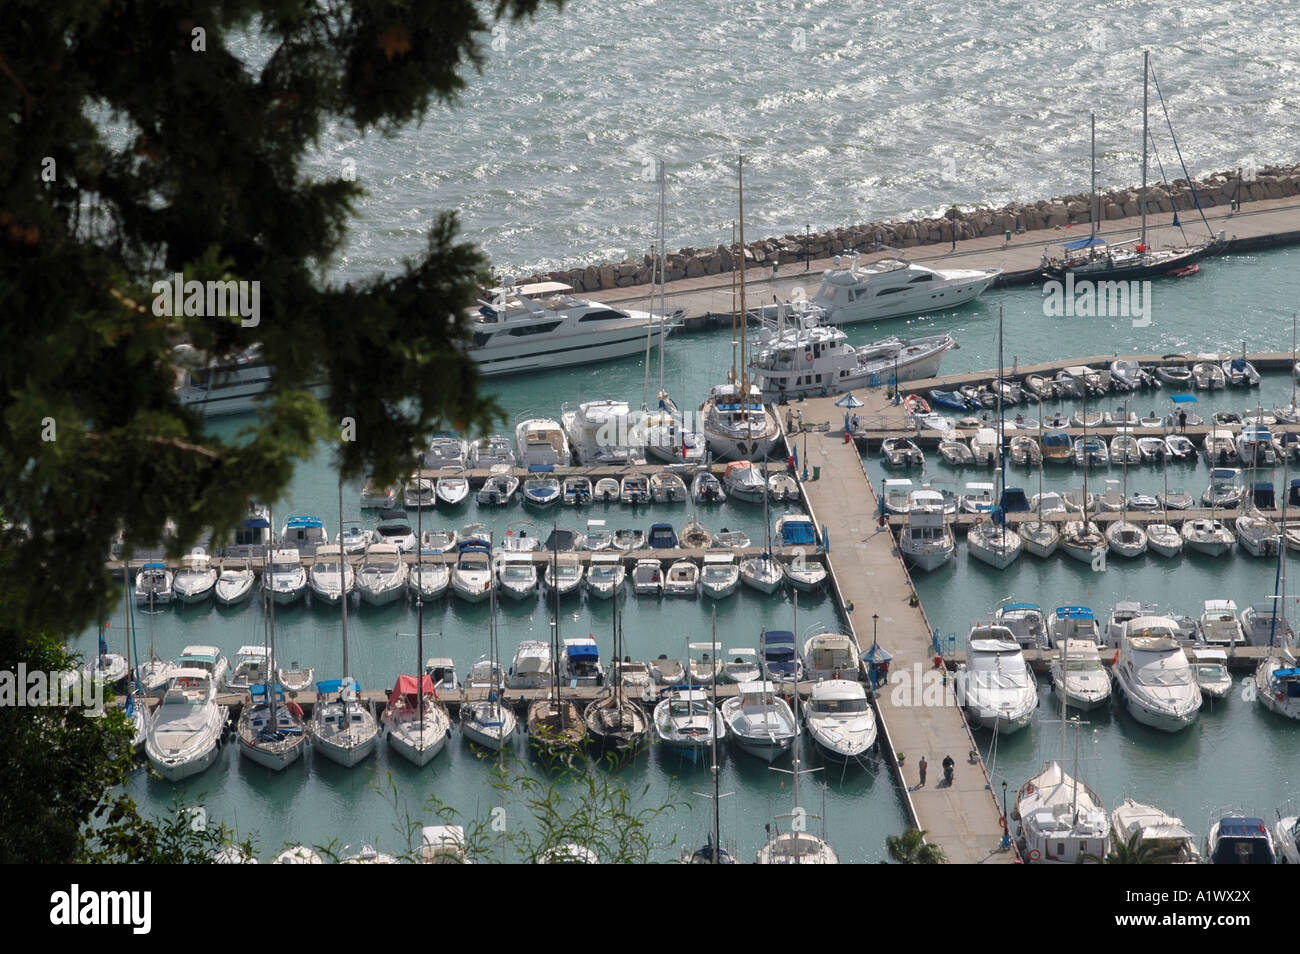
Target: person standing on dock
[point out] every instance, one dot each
(1182, 420)
(789, 420)
(921, 766)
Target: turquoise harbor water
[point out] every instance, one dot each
(1236, 755)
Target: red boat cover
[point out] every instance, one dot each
(406, 687)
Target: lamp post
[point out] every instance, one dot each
(875, 618)
(807, 244)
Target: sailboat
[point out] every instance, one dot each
(712, 852)
(270, 731)
(1061, 818)
(737, 425)
(1040, 536)
(614, 721)
(666, 436)
(1082, 539)
(340, 729)
(418, 724)
(797, 846)
(555, 727)
(1277, 678)
(764, 572)
(990, 541)
(488, 722)
(1163, 538)
(1092, 259)
(1124, 537)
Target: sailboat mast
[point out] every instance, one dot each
(270, 660)
(740, 252)
(1092, 196)
(1002, 453)
(663, 274)
(343, 602)
(1146, 59)
(713, 737)
(555, 624)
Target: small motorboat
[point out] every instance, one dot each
(1151, 449)
(682, 579)
(950, 399)
(577, 491)
(605, 576)
(395, 529)
(497, 490)
(694, 536)
(720, 576)
(597, 537)
(1185, 271)
(744, 482)
(235, 584)
(607, 490)
(1208, 376)
(375, 496)
(667, 487)
(439, 541)
(1180, 447)
(762, 573)
(667, 672)
(706, 488)
(634, 489)
(732, 539)
(901, 452)
(195, 580)
(419, 492)
(782, 488)
(1175, 374)
(629, 539)
(1025, 452)
(452, 487)
(516, 575)
(1240, 373)
(563, 575)
(541, 491)
(956, 453)
(648, 578)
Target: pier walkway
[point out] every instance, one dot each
(869, 581)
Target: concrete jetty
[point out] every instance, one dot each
(707, 300)
(876, 596)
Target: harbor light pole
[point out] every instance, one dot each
(1006, 822)
(807, 245)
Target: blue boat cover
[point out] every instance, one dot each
(1090, 242)
(1183, 398)
(1074, 612)
(798, 532)
(334, 685)
(256, 523)
(1014, 500)
(1285, 673)
(154, 566)
(541, 468)
(297, 522)
(583, 651)
(1056, 439)
(1241, 827)
(661, 536)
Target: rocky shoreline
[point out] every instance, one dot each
(1221, 188)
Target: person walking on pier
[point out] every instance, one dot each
(921, 766)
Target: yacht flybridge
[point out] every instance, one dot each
(537, 326)
(892, 288)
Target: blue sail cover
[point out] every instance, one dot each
(1090, 242)
(1014, 501)
(334, 685)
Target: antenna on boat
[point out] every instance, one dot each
(1146, 60)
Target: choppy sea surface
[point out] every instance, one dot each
(847, 112)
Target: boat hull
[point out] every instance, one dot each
(276, 761)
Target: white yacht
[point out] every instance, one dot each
(541, 443)
(1219, 625)
(304, 534)
(737, 429)
(1078, 675)
(382, 576)
(537, 326)
(154, 585)
(429, 580)
(489, 452)
(605, 576)
(472, 577)
(342, 728)
(840, 719)
(1154, 677)
(891, 288)
(418, 724)
(760, 722)
(831, 656)
(186, 731)
(1171, 842)
(445, 451)
(603, 433)
(1208, 536)
(252, 536)
(1061, 818)
(516, 575)
(196, 578)
(531, 668)
(233, 385)
(685, 721)
(995, 686)
(252, 665)
(234, 584)
(285, 577)
(331, 578)
(1277, 683)
(270, 735)
(744, 481)
(994, 543)
(719, 576)
(926, 541)
(809, 359)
